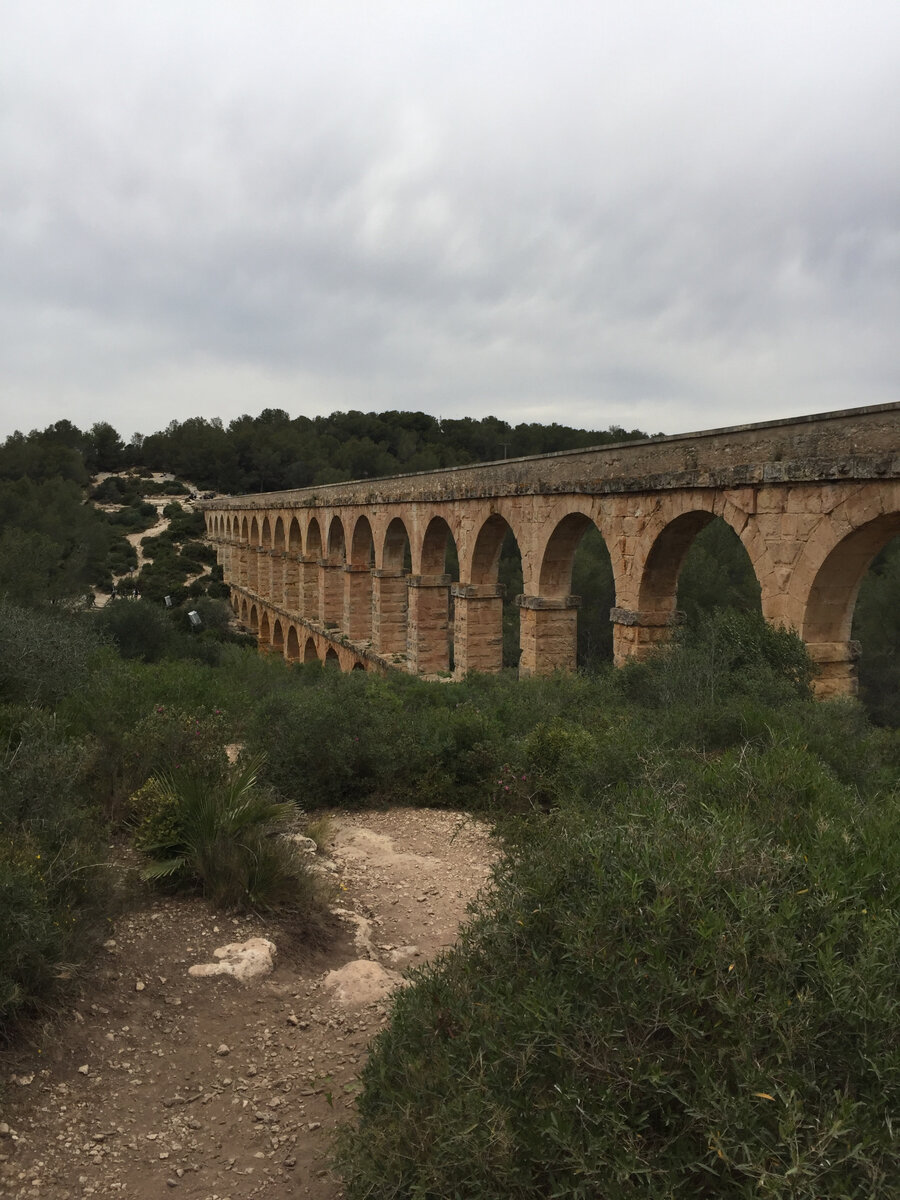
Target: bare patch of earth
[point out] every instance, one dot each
(161, 1083)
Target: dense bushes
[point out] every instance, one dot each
(690, 992)
(683, 982)
(80, 729)
(56, 900)
(52, 545)
(147, 631)
(129, 489)
(367, 739)
(134, 517)
(54, 895)
(212, 827)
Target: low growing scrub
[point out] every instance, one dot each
(690, 994)
(217, 831)
(56, 887)
(55, 897)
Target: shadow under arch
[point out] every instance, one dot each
(292, 649)
(362, 543)
(331, 658)
(395, 554)
(309, 595)
(673, 567)
(278, 637)
(253, 557)
(358, 591)
(244, 552)
(487, 616)
(876, 629)
(555, 577)
(390, 594)
(577, 591)
(310, 653)
(831, 601)
(431, 611)
(658, 588)
(337, 542)
(313, 539)
(717, 572)
(439, 553)
(832, 596)
(331, 576)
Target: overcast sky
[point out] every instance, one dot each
(664, 215)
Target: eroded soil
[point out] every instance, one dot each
(160, 1083)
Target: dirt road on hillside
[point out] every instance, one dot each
(161, 1083)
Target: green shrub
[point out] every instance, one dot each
(215, 831)
(157, 545)
(163, 487)
(161, 578)
(55, 886)
(361, 739)
(693, 994)
(54, 902)
(44, 655)
(41, 772)
(138, 629)
(134, 517)
(215, 615)
(184, 526)
(122, 557)
(199, 552)
(727, 653)
(115, 489)
(169, 739)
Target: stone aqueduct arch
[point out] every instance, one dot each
(357, 571)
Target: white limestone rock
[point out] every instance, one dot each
(244, 960)
(360, 982)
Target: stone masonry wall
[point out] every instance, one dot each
(856, 444)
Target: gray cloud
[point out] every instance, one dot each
(656, 215)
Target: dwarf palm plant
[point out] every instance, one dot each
(213, 831)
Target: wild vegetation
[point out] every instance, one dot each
(683, 980)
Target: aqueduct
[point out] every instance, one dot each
(355, 572)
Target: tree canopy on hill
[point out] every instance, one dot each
(274, 451)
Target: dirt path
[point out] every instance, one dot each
(164, 1083)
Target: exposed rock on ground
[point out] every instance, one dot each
(243, 960)
(360, 982)
(213, 1089)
